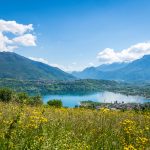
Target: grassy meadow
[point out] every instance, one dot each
(24, 127)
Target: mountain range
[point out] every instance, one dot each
(138, 70)
(18, 67)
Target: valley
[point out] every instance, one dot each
(74, 75)
(75, 87)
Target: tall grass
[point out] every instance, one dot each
(24, 127)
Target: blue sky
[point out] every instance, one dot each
(74, 34)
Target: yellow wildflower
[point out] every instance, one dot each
(129, 147)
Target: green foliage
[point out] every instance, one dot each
(23, 97)
(86, 86)
(5, 95)
(25, 127)
(36, 100)
(15, 66)
(61, 87)
(55, 103)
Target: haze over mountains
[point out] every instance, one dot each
(18, 67)
(138, 70)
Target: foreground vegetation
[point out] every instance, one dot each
(43, 127)
(27, 123)
(8, 95)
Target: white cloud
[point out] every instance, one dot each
(39, 60)
(65, 68)
(14, 27)
(134, 52)
(90, 64)
(26, 40)
(5, 43)
(50, 64)
(74, 63)
(21, 33)
(68, 68)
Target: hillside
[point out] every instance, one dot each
(75, 87)
(138, 70)
(99, 71)
(87, 73)
(111, 67)
(44, 127)
(15, 66)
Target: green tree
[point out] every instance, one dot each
(6, 95)
(55, 103)
(36, 100)
(23, 97)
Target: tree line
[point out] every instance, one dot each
(7, 95)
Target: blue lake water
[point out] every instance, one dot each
(107, 97)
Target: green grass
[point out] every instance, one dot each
(24, 127)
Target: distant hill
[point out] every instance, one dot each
(97, 72)
(138, 70)
(88, 73)
(15, 66)
(111, 67)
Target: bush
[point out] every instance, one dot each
(31, 100)
(55, 103)
(36, 100)
(6, 95)
(23, 97)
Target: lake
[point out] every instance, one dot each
(105, 97)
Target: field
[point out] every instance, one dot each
(25, 127)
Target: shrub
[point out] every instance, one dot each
(55, 103)
(6, 95)
(36, 100)
(23, 97)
